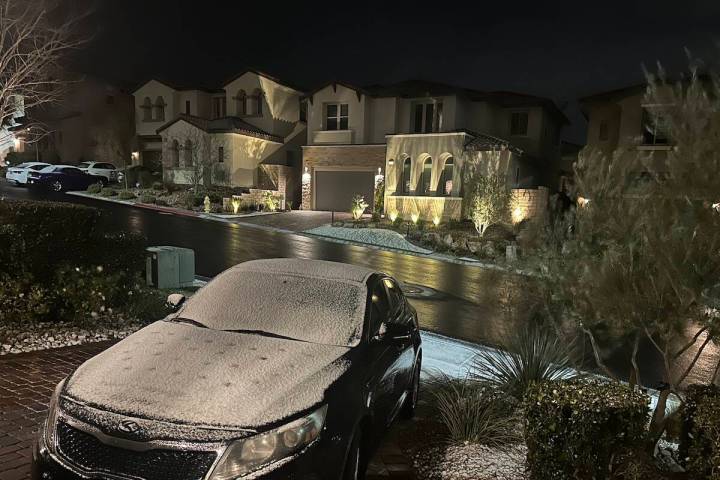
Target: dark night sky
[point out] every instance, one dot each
(558, 49)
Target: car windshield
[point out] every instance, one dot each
(22, 165)
(48, 169)
(309, 309)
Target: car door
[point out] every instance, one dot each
(384, 358)
(74, 178)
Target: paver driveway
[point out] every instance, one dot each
(27, 381)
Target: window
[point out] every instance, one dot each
(394, 295)
(603, 131)
(427, 117)
(519, 123)
(187, 107)
(380, 308)
(257, 102)
(426, 176)
(219, 107)
(303, 111)
(336, 116)
(241, 103)
(160, 109)
(147, 110)
(221, 154)
(405, 180)
(189, 160)
(446, 177)
(175, 153)
(654, 128)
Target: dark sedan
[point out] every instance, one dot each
(63, 177)
(276, 369)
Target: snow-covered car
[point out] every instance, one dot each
(102, 169)
(281, 368)
(19, 173)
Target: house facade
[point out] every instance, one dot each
(422, 139)
(248, 133)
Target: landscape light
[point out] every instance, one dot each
(414, 217)
(393, 215)
(436, 220)
(235, 205)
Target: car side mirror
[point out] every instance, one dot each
(175, 300)
(382, 331)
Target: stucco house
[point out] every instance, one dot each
(422, 138)
(249, 131)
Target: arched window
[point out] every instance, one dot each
(147, 110)
(425, 177)
(257, 101)
(241, 103)
(175, 153)
(446, 178)
(188, 154)
(160, 109)
(405, 180)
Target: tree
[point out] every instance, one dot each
(489, 200)
(200, 160)
(636, 262)
(34, 42)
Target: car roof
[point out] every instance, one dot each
(309, 268)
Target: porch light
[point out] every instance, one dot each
(306, 176)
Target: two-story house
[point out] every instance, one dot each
(249, 131)
(623, 121)
(423, 138)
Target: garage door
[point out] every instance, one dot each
(334, 190)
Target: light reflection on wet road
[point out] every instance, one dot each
(468, 306)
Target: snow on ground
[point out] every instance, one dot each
(372, 236)
(181, 373)
(471, 462)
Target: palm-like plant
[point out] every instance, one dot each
(533, 355)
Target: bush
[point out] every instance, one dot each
(398, 222)
(16, 158)
(162, 203)
(158, 186)
(140, 174)
(94, 188)
(147, 198)
(473, 412)
(533, 355)
(189, 200)
(578, 430)
(147, 305)
(700, 437)
(108, 192)
(126, 195)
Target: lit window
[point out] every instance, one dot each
(519, 123)
(426, 176)
(336, 116)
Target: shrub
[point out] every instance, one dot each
(21, 300)
(473, 412)
(140, 174)
(162, 203)
(126, 195)
(108, 192)
(398, 222)
(158, 186)
(578, 429)
(270, 201)
(147, 304)
(533, 355)
(700, 437)
(147, 198)
(187, 200)
(376, 217)
(94, 188)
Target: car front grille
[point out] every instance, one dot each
(89, 454)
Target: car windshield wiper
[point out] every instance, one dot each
(189, 321)
(264, 334)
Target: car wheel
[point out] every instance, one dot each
(355, 464)
(57, 186)
(408, 408)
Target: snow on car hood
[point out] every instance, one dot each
(181, 373)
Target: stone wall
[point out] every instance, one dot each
(529, 203)
(351, 156)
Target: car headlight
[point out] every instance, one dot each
(249, 454)
(50, 423)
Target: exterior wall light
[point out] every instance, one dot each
(518, 215)
(582, 201)
(391, 162)
(306, 176)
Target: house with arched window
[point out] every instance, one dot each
(248, 129)
(423, 139)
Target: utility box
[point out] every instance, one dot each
(170, 267)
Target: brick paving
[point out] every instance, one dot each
(297, 220)
(27, 381)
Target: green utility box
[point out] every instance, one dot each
(170, 267)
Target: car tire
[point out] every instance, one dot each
(408, 409)
(57, 186)
(355, 464)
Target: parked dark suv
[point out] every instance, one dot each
(276, 369)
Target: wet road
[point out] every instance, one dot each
(472, 303)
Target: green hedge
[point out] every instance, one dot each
(700, 437)
(574, 429)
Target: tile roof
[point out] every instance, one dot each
(483, 142)
(225, 125)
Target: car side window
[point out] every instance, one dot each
(395, 296)
(380, 308)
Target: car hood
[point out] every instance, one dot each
(186, 374)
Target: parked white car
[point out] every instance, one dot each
(101, 169)
(19, 173)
